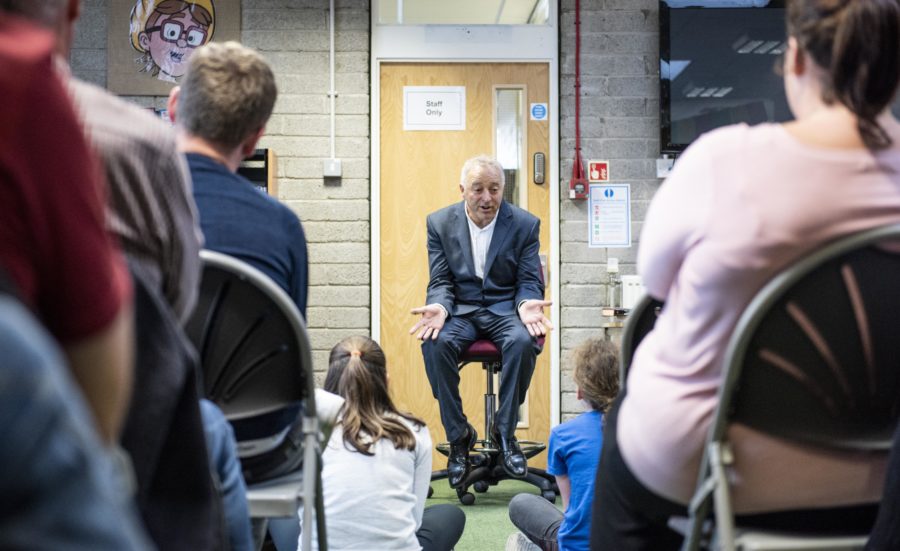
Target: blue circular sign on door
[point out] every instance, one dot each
(538, 111)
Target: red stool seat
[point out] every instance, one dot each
(481, 350)
(484, 350)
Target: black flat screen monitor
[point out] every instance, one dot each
(717, 67)
(717, 62)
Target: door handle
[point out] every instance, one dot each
(539, 167)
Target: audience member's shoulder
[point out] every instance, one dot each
(290, 217)
(732, 139)
(23, 46)
(273, 206)
(26, 64)
(421, 434)
(576, 425)
(110, 115)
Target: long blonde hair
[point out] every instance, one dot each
(357, 372)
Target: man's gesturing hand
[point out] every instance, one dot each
(431, 322)
(532, 315)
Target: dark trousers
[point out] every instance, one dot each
(538, 519)
(442, 526)
(518, 350)
(627, 515)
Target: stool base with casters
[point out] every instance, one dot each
(485, 459)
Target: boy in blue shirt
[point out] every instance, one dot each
(574, 454)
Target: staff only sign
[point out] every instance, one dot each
(434, 108)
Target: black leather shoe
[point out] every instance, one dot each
(458, 459)
(511, 456)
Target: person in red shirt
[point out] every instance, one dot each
(53, 243)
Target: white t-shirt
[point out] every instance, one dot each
(374, 501)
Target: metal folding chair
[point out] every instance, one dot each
(813, 359)
(256, 360)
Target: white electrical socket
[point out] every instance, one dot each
(664, 166)
(332, 168)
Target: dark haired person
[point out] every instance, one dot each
(741, 205)
(377, 464)
(573, 455)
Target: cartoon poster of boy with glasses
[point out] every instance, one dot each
(167, 32)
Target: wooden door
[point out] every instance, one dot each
(420, 172)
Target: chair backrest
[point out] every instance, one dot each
(256, 364)
(640, 322)
(814, 357)
(252, 341)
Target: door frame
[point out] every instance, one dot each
(469, 44)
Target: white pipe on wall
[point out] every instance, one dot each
(331, 91)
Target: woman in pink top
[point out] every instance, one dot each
(741, 205)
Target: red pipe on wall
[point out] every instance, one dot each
(578, 185)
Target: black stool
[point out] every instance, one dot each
(487, 469)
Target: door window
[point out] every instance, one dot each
(463, 12)
(509, 142)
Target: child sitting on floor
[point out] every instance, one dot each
(377, 464)
(574, 453)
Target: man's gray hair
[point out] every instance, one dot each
(44, 12)
(227, 94)
(482, 161)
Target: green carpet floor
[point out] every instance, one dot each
(487, 520)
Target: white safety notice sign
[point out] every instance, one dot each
(609, 221)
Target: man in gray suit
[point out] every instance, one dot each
(484, 283)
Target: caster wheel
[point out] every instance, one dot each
(549, 495)
(430, 491)
(467, 498)
(481, 486)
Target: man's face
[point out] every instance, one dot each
(172, 40)
(483, 194)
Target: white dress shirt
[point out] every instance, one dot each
(481, 241)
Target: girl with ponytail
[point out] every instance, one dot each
(742, 204)
(377, 464)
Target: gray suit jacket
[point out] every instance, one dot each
(511, 269)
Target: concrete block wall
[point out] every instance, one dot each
(293, 36)
(619, 123)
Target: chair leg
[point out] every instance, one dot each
(490, 402)
(699, 507)
(720, 457)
